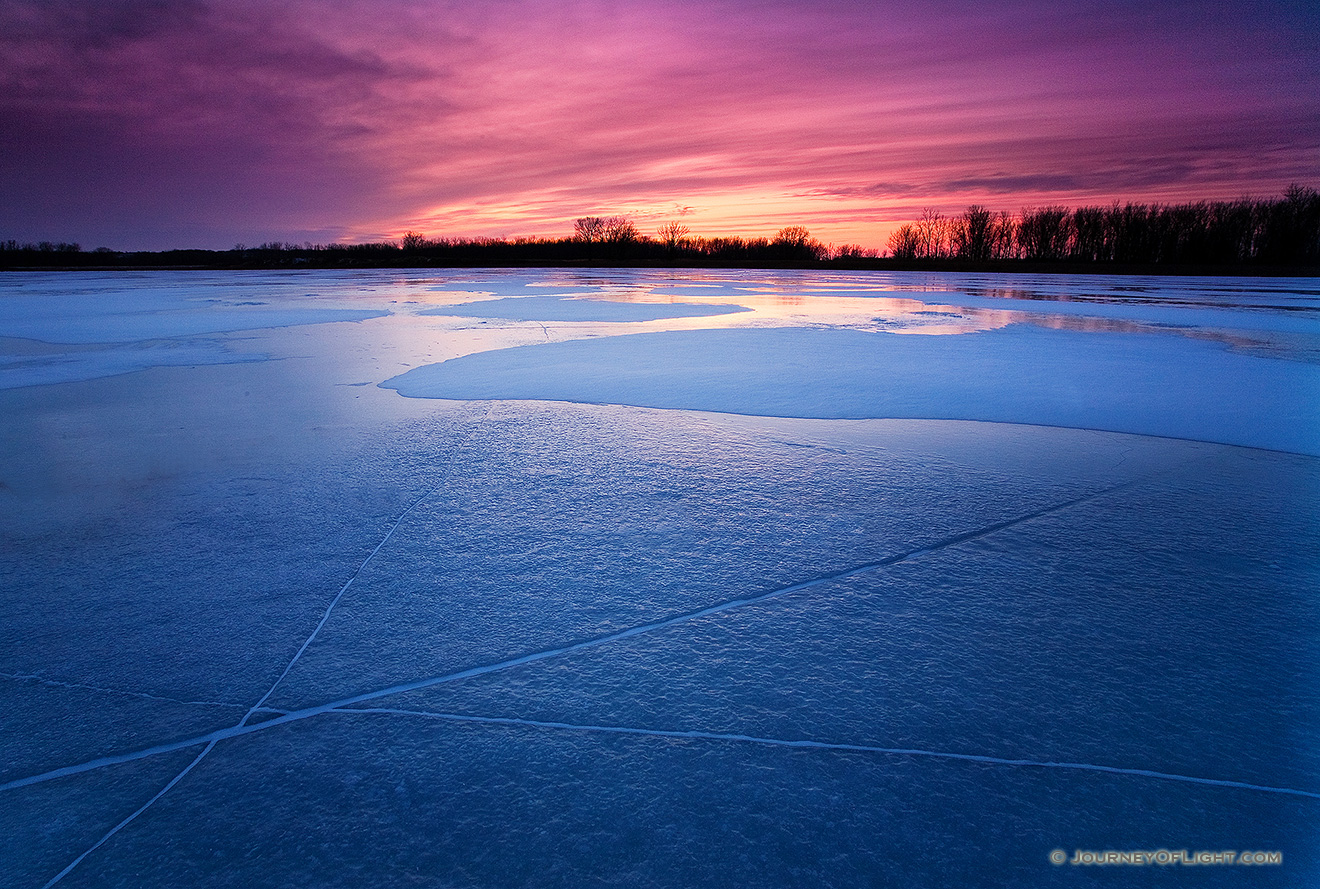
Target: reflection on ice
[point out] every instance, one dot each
(572, 308)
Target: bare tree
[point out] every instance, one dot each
(1090, 243)
(793, 236)
(978, 234)
(620, 230)
(1044, 233)
(905, 242)
(589, 229)
(673, 235)
(1003, 236)
(795, 242)
(933, 235)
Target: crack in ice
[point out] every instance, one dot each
(698, 734)
(215, 737)
(325, 617)
(122, 824)
(244, 728)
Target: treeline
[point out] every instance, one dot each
(1282, 232)
(607, 241)
(616, 240)
(1259, 235)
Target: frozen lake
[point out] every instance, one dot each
(656, 578)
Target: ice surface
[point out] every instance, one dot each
(1174, 314)
(1119, 636)
(1164, 386)
(33, 367)
(136, 321)
(617, 645)
(131, 312)
(48, 825)
(552, 308)
(360, 799)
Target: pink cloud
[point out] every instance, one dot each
(144, 122)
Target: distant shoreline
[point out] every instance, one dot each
(1258, 238)
(225, 261)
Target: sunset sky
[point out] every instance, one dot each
(159, 123)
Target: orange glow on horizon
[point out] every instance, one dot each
(252, 121)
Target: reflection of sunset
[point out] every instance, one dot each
(904, 303)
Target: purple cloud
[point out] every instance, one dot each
(153, 123)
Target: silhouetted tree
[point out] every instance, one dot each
(1234, 231)
(672, 235)
(933, 236)
(1089, 235)
(589, 229)
(1291, 227)
(1044, 233)
(793, 236)
(795, 242)
(904, 242)
(980, 235)
(619, 230)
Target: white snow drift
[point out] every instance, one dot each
(1141, 383)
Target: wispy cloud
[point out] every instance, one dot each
(149, 122)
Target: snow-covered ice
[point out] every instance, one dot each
(595, 612)
(1129, 382)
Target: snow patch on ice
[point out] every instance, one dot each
(1152, 385)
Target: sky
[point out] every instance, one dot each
(148, 124)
